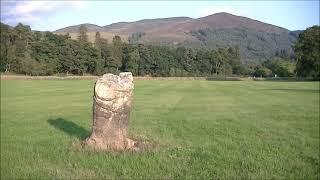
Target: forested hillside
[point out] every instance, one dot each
(257, 41)
(44, 53)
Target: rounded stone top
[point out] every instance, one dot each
(109, 85)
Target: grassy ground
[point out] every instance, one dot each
(204, 129)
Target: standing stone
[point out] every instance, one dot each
(112, 102)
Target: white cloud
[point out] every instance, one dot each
(29, 18)
(28, 7)
(33, 11)
(217, 9)
(78, 4)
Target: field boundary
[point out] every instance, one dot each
(214, 78)
(23, 77)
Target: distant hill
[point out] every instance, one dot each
(257, 40)
(75, 29)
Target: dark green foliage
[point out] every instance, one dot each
(261, 71)
(7, 50)
(146, 61)
(162, 58)
(104, 54)
(307, 53)
(254, 45)
(281, 67)
(116, 54)
(131, 59)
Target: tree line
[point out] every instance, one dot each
(44, 53)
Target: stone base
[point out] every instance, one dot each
(100, 145)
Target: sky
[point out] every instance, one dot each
(53, 15)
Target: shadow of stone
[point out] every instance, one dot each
(69, 128)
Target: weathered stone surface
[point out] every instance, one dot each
(111, 108)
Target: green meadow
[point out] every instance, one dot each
(199, 130)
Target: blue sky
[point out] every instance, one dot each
(52, 15)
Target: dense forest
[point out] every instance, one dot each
(43, 53)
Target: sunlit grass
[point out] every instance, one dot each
(203, 129)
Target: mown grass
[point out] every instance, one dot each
(203, 129)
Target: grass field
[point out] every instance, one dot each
(202, 129)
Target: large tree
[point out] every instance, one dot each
(83, 37)
(307, 53)
(131, 59)
(104, 63)
(117, 45)
(7, 48)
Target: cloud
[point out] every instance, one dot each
(30, 12)
(79, 5)
(217, 9)
(26, 19)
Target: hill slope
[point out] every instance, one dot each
(257, 40)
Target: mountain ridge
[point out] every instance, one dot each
(156, 19)
(257, 40)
